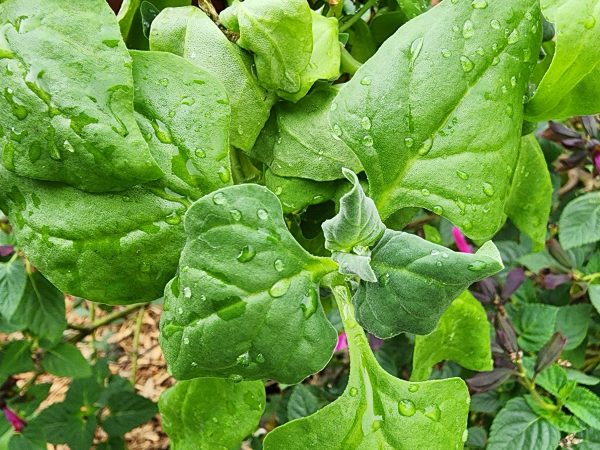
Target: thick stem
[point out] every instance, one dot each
(349, 64)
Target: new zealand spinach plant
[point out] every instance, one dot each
(289, 176)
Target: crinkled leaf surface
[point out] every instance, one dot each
(188, 32)
(379, 411)
(357, 223)
(298, 143)
(580, 221)
(67, 106)
(530, 200)
(435, 115)
(517, 427)
(462, 336)
(211, 413)
(417, 281)
(246, 301)
(571, 84)
(280, 35)
(535, 325)
(124, 247)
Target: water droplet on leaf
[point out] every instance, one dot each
(407, 408)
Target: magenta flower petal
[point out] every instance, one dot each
(342, 342)
(17, 423)
(6, 250)
(461, 241)
(597, 161)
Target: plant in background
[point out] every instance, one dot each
(285, 173)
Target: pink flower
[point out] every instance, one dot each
(342, 342)
(17, 423)
(597, 161)
(461, 241)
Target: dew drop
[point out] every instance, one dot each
(187, 292)
(495, 61)
(438, 210)
(280, 288)
(384, 279)
(435, 252)
(310, 303)
(461, 206)
(413, 388)
(260, 358)
(495, 24)
(462, 175)
(236, 378)
(479, 4)
(407, 408)
(425, 192)
(513, 81)
(589, 23)
(246, 254)
(186, 341)
(366, 81)
(262, 214)
(164, 81)
(337, 131)
(236, 215)
(200, 153)
(244, 359)
(467, 225)
(367, 140)
(528, 16)
(466, 63)
(365, 122)
(477, 266)
(433, 412)
(173, 219)
(279, 265)
(409, 142)
(468, 30)
(425, 147)
(353, 392)
(446, 53)
(415, 51)
(333, 106)
(488, 189)
(219, 198)
(224, 174)
(513, 37)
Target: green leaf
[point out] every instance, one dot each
(188, 32)
(65, 360)
(530, 200)
(445, 119)
(360, 42)
(260, 284)
(298, 143)
(591, 440)
(170, 95)
(351, 264)
(462, 336)
(586, 405)
(535, 324)
(211, 414)
(13, 281)
(280, 35)
(68, 104)
(593, 292)
(417, 281)
(133, 18)
(563, 421)
(570, 86)
(378, 410)
(580, 221)
(127, 410)
(15, 357)
(304, 401)
(517, 427)
(573, 322)
(357, 225)
(64, 424)
(413, 8)
(477, 437)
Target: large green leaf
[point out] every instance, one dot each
(123, 248)
(517, 427)
(210, 413)
(417, 281)
(298, 143)
(251, 309)
(280, 35)
(67, 107)
(580, 221)
(530, 199)
(591, 440)
(462, 336)
(65, 360)
(379, 411)
(188, 32)
(443, 102)
(571, 84)
(127, 411)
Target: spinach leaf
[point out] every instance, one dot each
(210, 413)
(124, 247)
(260, 283)
(297, 142)
(417, 281)
(571, 84)
(188, 32)
(435, 115)
(530, 200)
(462, 336)
(67, 102)
(280, 35)
(378, 410)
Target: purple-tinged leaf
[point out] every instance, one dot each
(514, 280)
(574, 143)
(562, 130)
(488, 381)
(505, 333)
(591, 125)
(550, 352)
(552, 281)
(6, 250)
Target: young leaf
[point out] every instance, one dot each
(571, 84)
(65, 360)
(530, 199)
(462, 336)
(252, 309)
(68, 109)
(378, 410)
(188, 32)
(535, 325)
(127, 411)
(304, 401)
(280, 35)
(427, 93)
(209, 413)
(351, 264)
(580, 221)
(517, 427)
(357, 225)
(298, 143)
(417, 281)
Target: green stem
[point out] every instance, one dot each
(349, 64)
(357, 15)
(530, 386)
(115, 315)
(136, 344)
